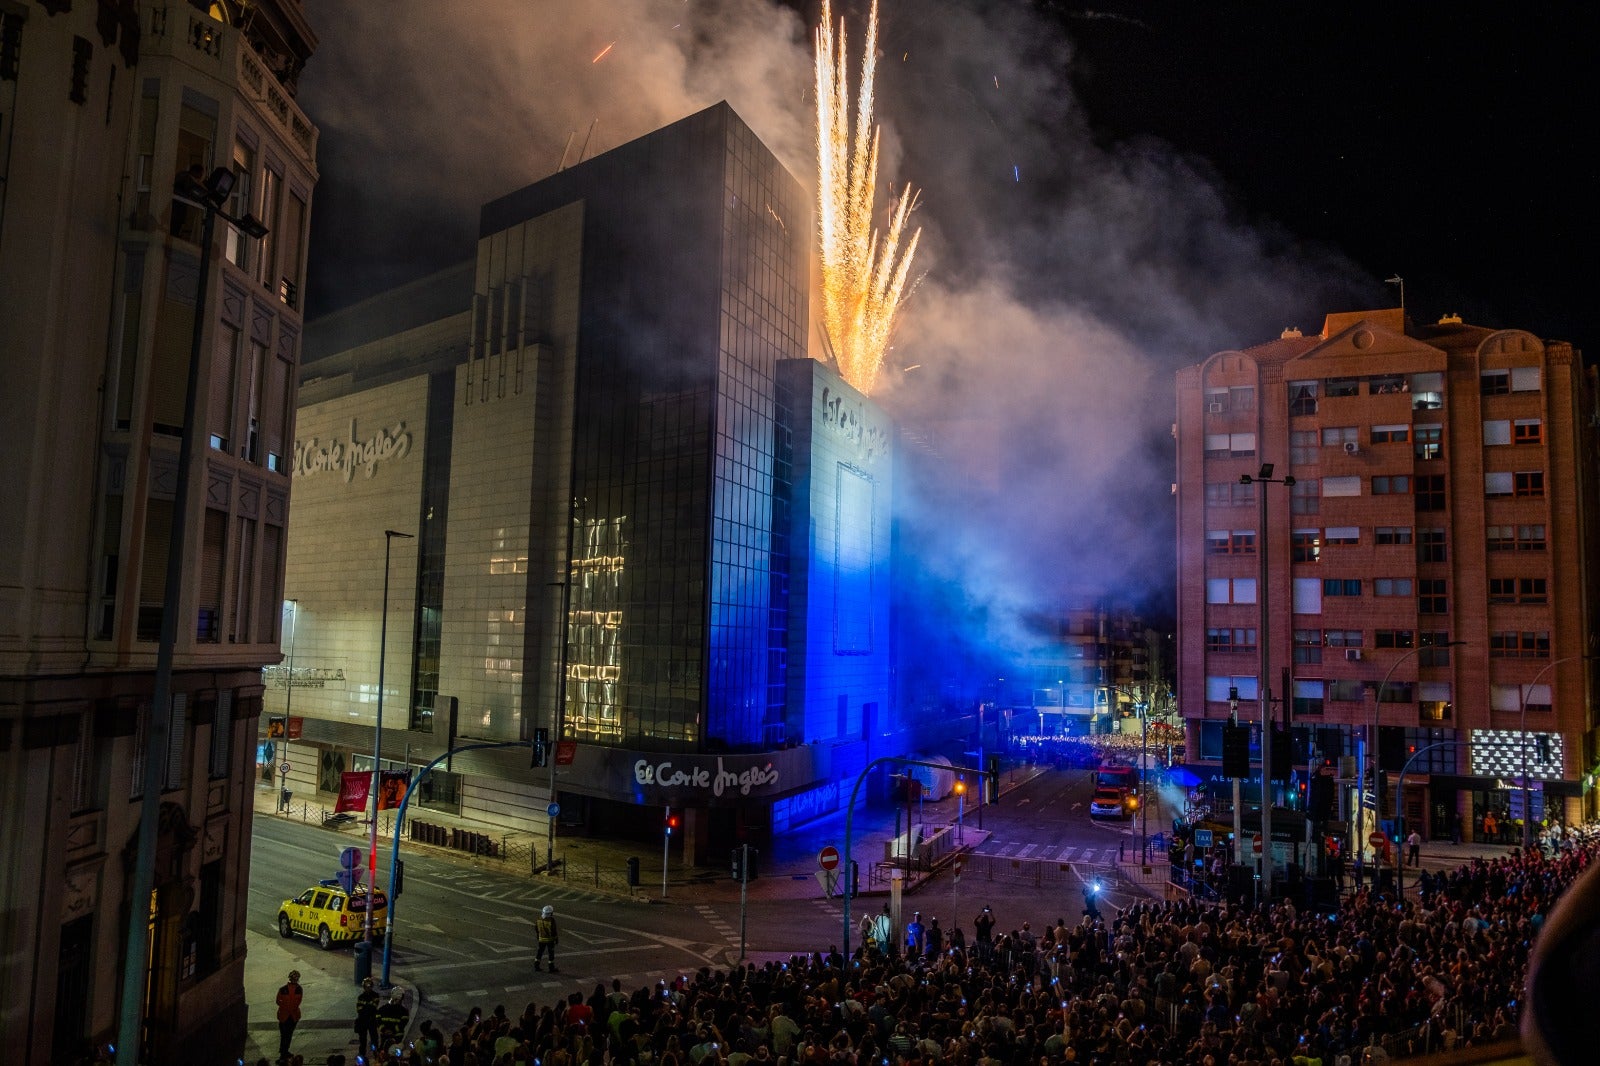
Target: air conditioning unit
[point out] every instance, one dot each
(1352, 655)
(1215, 407)
(1351, 447)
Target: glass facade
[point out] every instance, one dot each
(693, 287)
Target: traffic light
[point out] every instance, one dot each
(672, 823)
(744, 863)
(541, 747)
(399, 877)
(1282, 754)
(1235, 750)
(738, 863)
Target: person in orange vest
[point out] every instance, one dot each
(1490, 827)
(289, 997)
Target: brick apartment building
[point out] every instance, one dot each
(1444, 489)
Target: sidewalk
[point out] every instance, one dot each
(328, 1010)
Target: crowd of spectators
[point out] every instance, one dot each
(1159, 982)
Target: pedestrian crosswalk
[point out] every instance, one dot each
(1016, 849)
(501, 889)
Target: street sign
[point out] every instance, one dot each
(957, 869)
(553, 811)
(1202, 838)
(1255, 844)
(828, 858)
(284, 769)
(1377, 840)
(350, 859)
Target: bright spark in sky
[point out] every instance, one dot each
(864, 272)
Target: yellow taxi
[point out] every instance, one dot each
(332, 915)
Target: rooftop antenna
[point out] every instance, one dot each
(1398, 280)
(585, 149)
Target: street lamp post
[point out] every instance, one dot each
(377, 732)
(1264, 644)
(1370, 743)
(288, 703)
(208, 196)
(1527, 811)
(1399, 811)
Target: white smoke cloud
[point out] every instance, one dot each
(1064, 281)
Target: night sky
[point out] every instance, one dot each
(1108, 193)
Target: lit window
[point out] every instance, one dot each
(1305, 545)
(1429, 442)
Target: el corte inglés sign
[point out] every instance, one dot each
(313, 456)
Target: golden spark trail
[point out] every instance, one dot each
(864, 272)
(604, 52)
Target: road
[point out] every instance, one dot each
(464, 932)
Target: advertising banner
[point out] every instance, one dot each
(353, 789)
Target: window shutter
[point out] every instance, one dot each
(175, 738)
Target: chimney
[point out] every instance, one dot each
(1292, 333)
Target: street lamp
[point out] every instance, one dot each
(208, 196)
(1264, 644)
(1370, 743)
(288, 704)
(1527, 811)
(377, 732)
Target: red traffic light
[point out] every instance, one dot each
(672, 822)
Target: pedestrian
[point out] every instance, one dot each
(883, 931)
(289, 997)
(367, 1001)
(935, 939)
(915, 944)
(1414, 849)
(1490, 828)
(393, 1020)
(549, 935)
(983, 927)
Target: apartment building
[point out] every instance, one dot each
(1422, 562)
(117, 121)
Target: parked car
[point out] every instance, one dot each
(332, 915)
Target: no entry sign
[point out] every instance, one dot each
(828, 858)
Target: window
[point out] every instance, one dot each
(1307, 595)
(1498, 484)
(236, 246)
(1515, 644)
(1342, 387)
(1231, 590)
(1217, 688)
(1302, 397)
(1494, 382)
(292, 230)
(1429, 491)
(1342, 638)
(1307, 646)
(1305, 545)
(1391, 434)
(1302, 447)
(1340, 486)
(1431, 596)
(1341, 586)
(1393, 638)
(266, 262)
(1334, 436)
(1223, 639)
(1496, 431)
(1501, 538)
(1387, 384)
(1527, 431)
(1397, 692)
(1342, 535)
(1231, 542)
(1530, 483)
(1435, 649)
(1530, 538)
(1524, 379)
(1430, 442)
(1304, 497)
(1391, 586)
(222, 735)
(1347, 691)
(1502, 590)
(1531, 590)
(1243, 493)
(1242, 397)
(1391, 485)
(1431, 547)
(1227, 445)
(1392, 535)
(1512, 697)
(1218, 494)
(1433, 701)
(1427, 391)
(1216, 401)
(1307, 696)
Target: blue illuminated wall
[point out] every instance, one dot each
(841, 485)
